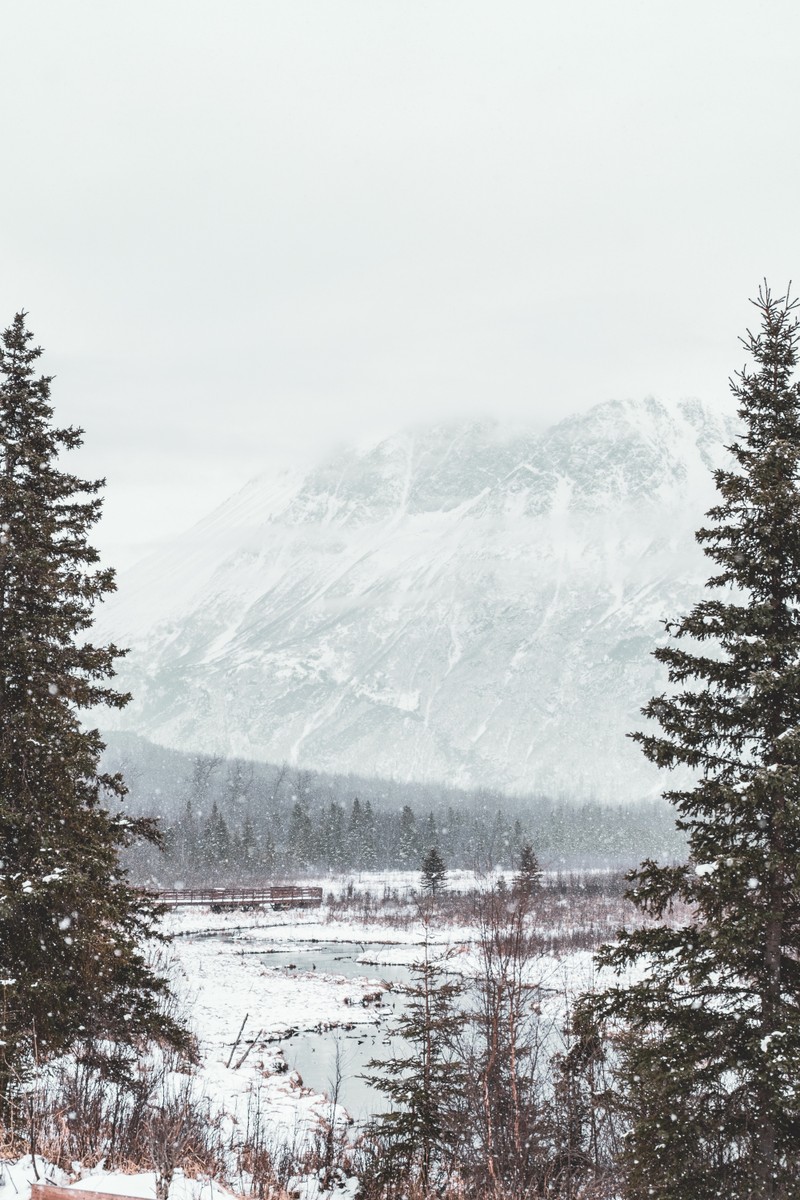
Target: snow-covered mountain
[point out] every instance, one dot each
(451, 603)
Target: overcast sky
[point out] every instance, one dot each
(244, 229)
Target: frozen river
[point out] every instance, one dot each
(316, 1055)
(320, 989)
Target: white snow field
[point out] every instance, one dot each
(264, 989)
(260, 968)
(17, 1177)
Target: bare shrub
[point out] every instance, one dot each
(267, 1165)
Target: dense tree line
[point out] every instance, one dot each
(239, 821)
(232, 819)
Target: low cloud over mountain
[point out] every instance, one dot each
(452, 603)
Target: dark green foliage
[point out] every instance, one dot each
(300, 837)
(71, 930)
(217, 851)
(408, 846)
(711, 1052)
(421, 1134)
(288, 813)
(434, 872)
(366, 849)
(430, 833)
(247, 844)
(529, 874)
(334, 832)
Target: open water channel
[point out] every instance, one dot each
(314, 1055)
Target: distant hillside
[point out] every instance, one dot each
(450, 605)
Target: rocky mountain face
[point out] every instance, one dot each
(452, 603)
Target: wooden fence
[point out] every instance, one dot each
(282, 896)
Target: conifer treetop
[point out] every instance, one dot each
(72, 931)
(712, 1048)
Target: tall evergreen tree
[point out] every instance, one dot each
(430, 835)
(217, 843)
(433, 871)
(248, 843)
(71, 929)
(712, 1050)
(355, 845)
(300, 836)
(370, 848)
(529, 874)
(408, 843)
(332, 837)
(421, 1132)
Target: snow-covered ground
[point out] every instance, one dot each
(222, 972)
(232, 968)
(16, 1179)
(255, 987)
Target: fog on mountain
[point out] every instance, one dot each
(448, 604)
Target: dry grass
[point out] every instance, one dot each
(569, 913)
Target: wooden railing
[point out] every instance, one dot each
(49, 1191)
(282, 896)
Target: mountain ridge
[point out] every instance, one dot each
(449, 604)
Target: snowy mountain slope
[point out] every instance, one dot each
(450, 603)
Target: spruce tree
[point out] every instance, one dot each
(434, 872)
(248, 843)
(408, 843)
(217, 843)
(332, 847)
(419, 1136)
(529, 873)
(711, 1052)
(354, 851)
(300, 840)
(71, 929)
(370, 851)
